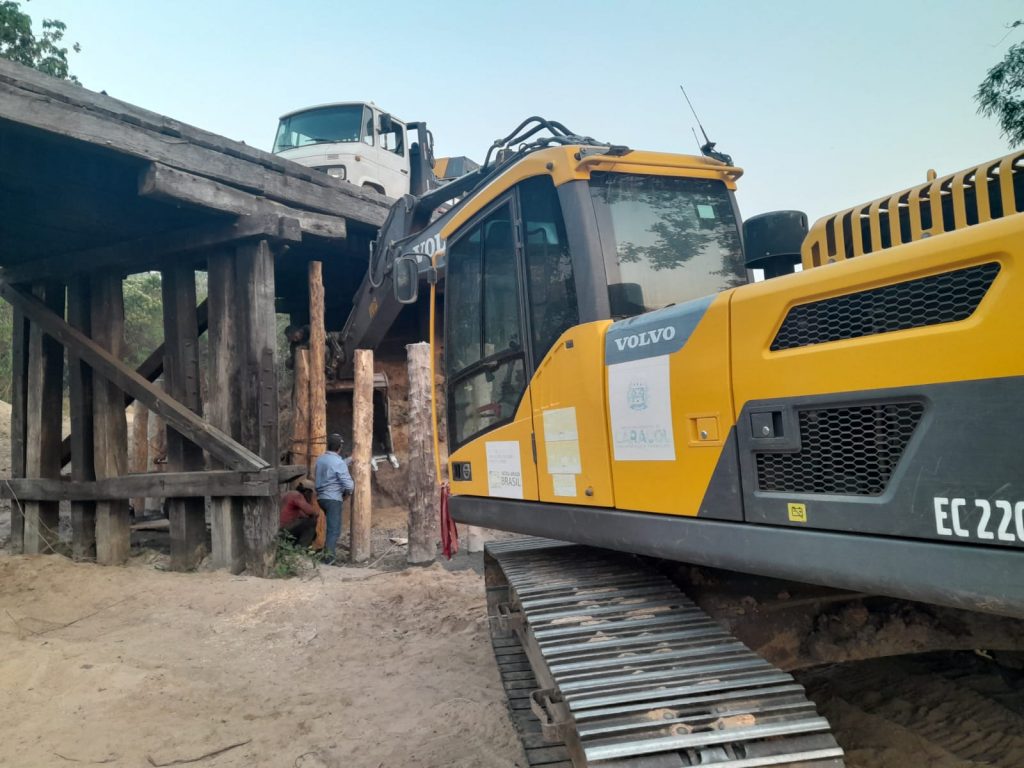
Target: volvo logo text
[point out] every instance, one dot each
(645, 338)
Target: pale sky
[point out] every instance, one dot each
(824, 104)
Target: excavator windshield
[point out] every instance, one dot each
(675, 239)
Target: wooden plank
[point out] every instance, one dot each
(421, 480)
(258, 407)
(31, 81)
(227, 524)
(301, 451)
(159, 182)
(19, 389)
(155, 484)
(181, 380)
(114, 370)
(140, 450)
(362, 450)
(83, 513)
(317, 363)
(63, 119)
(110, 428)
(151, 369)
(143, 253)
(44, 405)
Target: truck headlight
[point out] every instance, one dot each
(337, 171)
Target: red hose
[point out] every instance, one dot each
(449, 533)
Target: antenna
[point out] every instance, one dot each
(708, 148)
(694, 132)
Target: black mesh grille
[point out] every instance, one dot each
(850, 451)
(943, 298)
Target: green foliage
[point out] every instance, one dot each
(1001, 93)
(19, 43)
(293, 560)
(143, 316)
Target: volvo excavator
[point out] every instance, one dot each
(688, 448)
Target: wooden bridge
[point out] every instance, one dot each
(93, 189)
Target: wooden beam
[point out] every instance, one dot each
(110, 427)
(53, 108)
(141, 254)
(317, 363)
(44, 406)
(114, 370)
(422, 484)
(227, 522)
(81, 453)
(362, 450)
(19, 390)
(153, 484)
(258, 407)
(151, 370)
(159, 182)
(181, 380)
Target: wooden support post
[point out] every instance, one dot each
(157, 454)
(104, 364)
(110, 428)
(181, 379)
(258, 407)
(44, 409)
(362, 448)
(317, 362)
(140, 450)
(422, 489)
(227, 528)
(83, 513)
(19, 391)
(301, 450)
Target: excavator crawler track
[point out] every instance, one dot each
(612, 666)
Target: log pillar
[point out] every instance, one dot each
(80, 383)
(317, 363)
(258, 406)
(140, 450)
(227, 530)
(19, 391)
(422, 488)
(181, 381)
(44, 398)
(110, 428)
(362, 451)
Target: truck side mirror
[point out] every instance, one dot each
(407, 279)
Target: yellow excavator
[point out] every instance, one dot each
(664, 399)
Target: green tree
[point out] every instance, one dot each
(19, 43)
(1001, 93)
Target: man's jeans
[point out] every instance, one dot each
(332, 511)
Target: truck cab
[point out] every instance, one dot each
(354, 141)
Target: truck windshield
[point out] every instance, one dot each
(349, 123)
(675, 239)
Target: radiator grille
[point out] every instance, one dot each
(944, 298)
(851, 451)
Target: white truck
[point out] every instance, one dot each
(353, 140)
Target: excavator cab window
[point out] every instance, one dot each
(485, 354)
(675, 239)
(551, 287)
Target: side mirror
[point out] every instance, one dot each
(386, 124)
(406, 274)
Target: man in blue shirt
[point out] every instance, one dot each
(333, 484)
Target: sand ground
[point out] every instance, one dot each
(348, 667)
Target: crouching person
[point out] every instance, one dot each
(298, 515)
